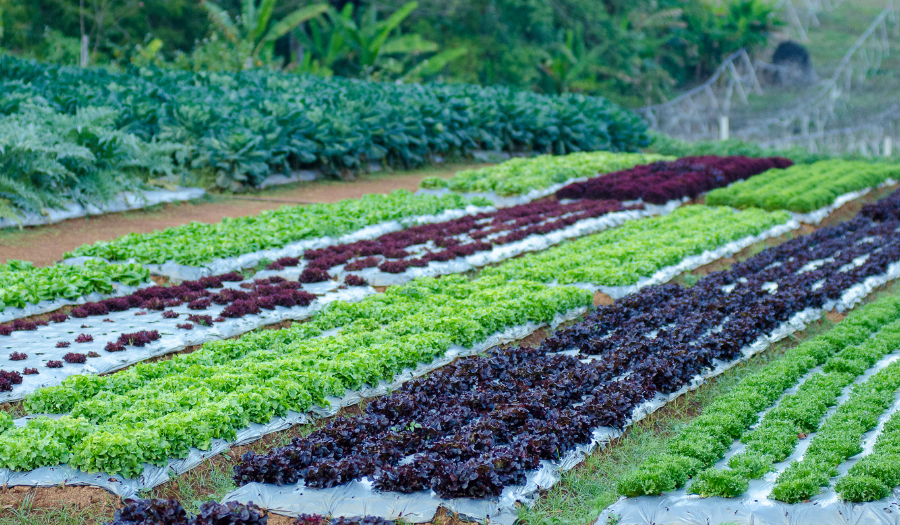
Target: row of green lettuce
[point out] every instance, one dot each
(242, 127)
(155, 411)
(842, 355)
(522, 175)
(197, 243)
(621, 256)
(21, 283)
(804, 188)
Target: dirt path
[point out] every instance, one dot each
(44, 245)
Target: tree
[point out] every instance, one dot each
(355, 43)
(252, 27)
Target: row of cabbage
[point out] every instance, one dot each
(245, 126)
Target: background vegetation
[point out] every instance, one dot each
(630, 51)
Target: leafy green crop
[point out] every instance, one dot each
(839, 437)
(637, 249)
(50, 158)
(244, 126)
(872, 330)
(522, 175)
(197, 243)
(153, 411)
(803, 188)
(22, 284)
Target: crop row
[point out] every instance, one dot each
(198, 243)
(416, 247)
(705, 440)
(839, 437)
(94, 337)
(247, 125)
(21, 284)
(778, 432)
(155, 411)
(522, 175)
(876, 474)
(170, 512)
(472, 428)
(663, 181)
(623, 255)
(804, 188)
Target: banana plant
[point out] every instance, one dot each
(253, 26)
(569, 65)
(358, 44)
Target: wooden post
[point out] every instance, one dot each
(888, 146)
(723, 127)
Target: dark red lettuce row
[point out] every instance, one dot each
(663, 181)
(452, 239)
(478, 425)
(260, 294)
(171, 512)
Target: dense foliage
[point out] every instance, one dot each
(632, 51)
(245, 126)
(521, 175)
(22, 284)
(637, 249)
(50, 157)
(804, 188)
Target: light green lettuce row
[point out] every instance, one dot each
(876, 474)
(704, 441)
(521, 175)
(198, 243)
(839, 438)
(22, 284)
(621, 256)
(155, 411)
(803, 188)
(777, 434)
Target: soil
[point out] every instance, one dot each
(97, 502)
(44, 245)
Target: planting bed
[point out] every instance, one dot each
(26, 290)
(660, 182)
(649, 251)
(480, 428)
(524, 179)
(462, 244)
(104, 336)
(805, 188)
(235, 243)
(230, 391)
